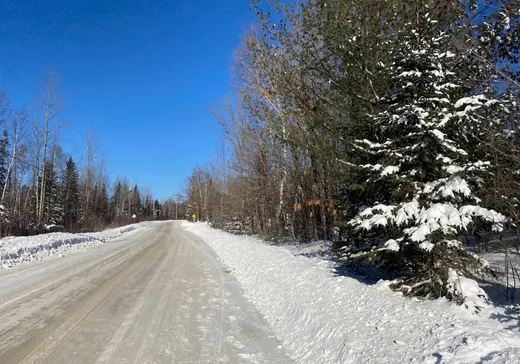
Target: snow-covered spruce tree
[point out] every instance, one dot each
(426, 165)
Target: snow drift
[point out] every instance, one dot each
(322, 318)
(16, 250)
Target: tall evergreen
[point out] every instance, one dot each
(136, 206)
(116, 201)
(71, 196)
(52, 205)
(101, 203)
(425, 167)
(158, 211)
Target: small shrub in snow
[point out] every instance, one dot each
(235, 227)
(465, 291)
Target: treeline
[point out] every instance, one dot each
(43, 189)
(389, 126)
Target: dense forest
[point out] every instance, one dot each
(43, 189)
(388, 126)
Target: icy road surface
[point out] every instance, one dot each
(156, 296)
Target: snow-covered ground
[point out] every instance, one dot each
(323, 318)
(16, 250)
(505, 288)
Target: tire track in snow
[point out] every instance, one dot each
(45, 348)
(214, 262)
(109, 260)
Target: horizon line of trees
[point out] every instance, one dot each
(43, 189)
(388, 126)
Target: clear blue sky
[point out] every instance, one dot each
(141, 74)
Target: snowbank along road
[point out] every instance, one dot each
(323, 318)
(158, 295)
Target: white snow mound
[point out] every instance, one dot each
(16, 250)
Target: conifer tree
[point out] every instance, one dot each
(101, 204)
(426, 167)
(158, 212)
(136, 206)
(71, 196)
(52, 205)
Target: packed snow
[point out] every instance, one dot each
(392, 245)
(16, 250)
(389, 170)
(324, 318)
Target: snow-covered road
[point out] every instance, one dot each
(158, 295)
(178, 292)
